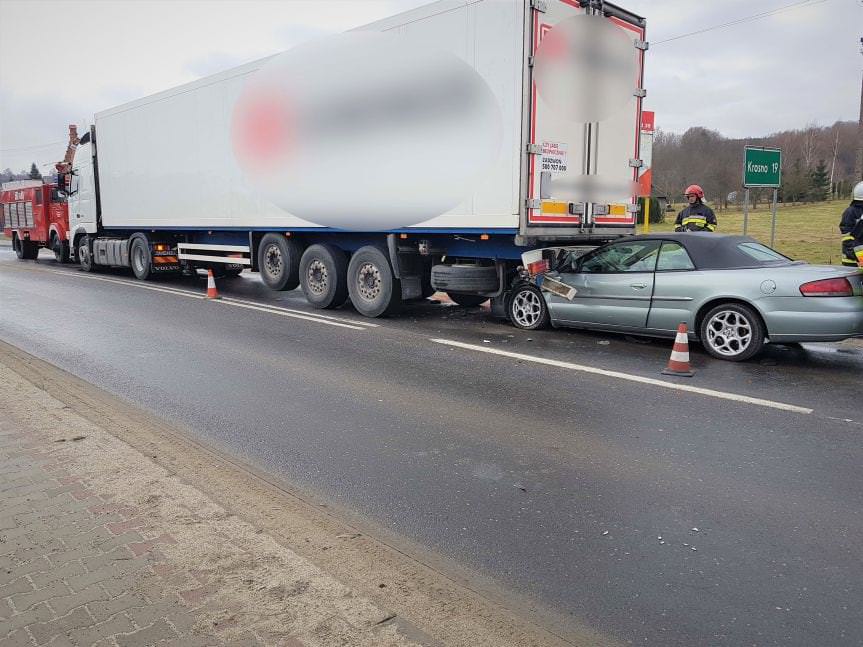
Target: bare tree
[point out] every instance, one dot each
(835, 132)
(809, 142)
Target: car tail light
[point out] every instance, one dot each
(839, 287)
(538, 267)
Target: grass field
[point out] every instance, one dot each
(807, 232)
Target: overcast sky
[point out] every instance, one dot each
(63, 60)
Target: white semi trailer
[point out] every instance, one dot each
(423, 152)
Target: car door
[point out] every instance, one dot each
(614, 285)
(677, 288)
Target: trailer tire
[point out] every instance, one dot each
(279, 262)
(141, 259)
(465, 278)
(467, 300)
(372, 286)
(324, 276)
(85, 257)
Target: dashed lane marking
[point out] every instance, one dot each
(722, 395)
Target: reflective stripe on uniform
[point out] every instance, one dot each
(849, 262)
(847, 237)
(694, 220)
(710, 227)
(858, 252)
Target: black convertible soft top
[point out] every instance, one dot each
(710, 251)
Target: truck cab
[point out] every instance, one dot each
(80, 185)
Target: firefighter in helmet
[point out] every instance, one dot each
(696, 216)
(851, 227)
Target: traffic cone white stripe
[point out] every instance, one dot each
(681, 338)
(677, 356)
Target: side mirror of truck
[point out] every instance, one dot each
(71, 183)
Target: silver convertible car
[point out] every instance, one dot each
(733, 293)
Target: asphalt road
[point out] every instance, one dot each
(651, 514)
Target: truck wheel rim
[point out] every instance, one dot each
(369, 281)
(318, 279)
(273, 260)
(526, 308)
(729, 333)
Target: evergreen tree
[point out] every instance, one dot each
(796, 183)
(34, 172)
(819, 182)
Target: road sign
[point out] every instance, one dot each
(762, 167)
(648, 120)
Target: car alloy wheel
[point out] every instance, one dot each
(527, 308)
(729, 333)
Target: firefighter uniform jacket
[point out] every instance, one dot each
(851, 227)
(696, 217)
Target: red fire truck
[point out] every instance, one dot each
(34, 214)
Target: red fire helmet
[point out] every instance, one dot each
(694, 189)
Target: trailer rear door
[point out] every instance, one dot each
(581, 147)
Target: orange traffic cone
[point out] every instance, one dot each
(678, 363)
(212, 293)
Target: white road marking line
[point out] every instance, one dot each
(137, 284)
(134, 284)
(302, 312)
(183, 293)
(722, 395)
(228, 302)
(289, 314)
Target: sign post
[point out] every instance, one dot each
(762, 167)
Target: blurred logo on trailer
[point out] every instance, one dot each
(366, 130)
(586, 68)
